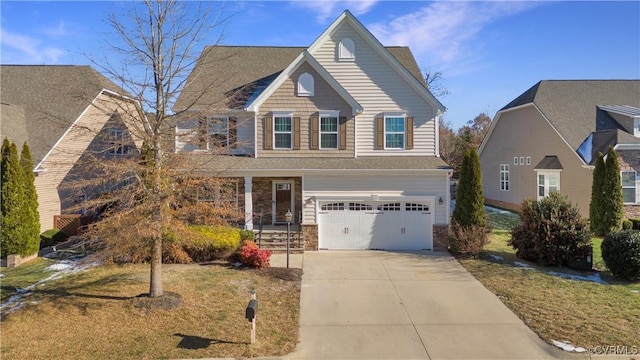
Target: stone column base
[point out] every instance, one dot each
(440, 237)
(310, 237)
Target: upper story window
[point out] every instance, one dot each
(305, 85)
(628, 179)
(394, 131)
(116, 144)
(282, 131)
(217, 133)
(636, 128)
(329, 130)
(346, 50)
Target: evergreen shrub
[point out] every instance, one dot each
(621, 254)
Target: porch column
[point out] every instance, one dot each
(248, 203)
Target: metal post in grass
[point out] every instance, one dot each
(251, 314)
(288, 216)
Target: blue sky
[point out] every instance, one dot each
(488, 52)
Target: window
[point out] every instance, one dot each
(305, 85)
(515, 160)
(329, 130)
(116, 144)
(504, 177)
(389, 207)
(548, 182)
(394, 132)
(346, 50)
(332, 207)
(628, 179)
(521, 160)
(360, 207)
(416, 207)
(282, 131)
(217, 133)
(636, 128)
(528, 160)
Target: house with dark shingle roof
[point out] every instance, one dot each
(63, 112)
(549, 137)
(342, 133)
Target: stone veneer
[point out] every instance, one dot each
(263, 197)
(440, 237)
(310, 237)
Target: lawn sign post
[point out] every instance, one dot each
(250, 314)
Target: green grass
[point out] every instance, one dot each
(585, 313)
(22, 276)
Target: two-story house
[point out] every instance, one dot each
(343, 133)
(68, 115)
(549, 137)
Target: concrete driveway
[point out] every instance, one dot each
(393, 305)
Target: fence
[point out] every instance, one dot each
(71, 224)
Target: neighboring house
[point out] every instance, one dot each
(342, 133)
(548, 139)
(63, 113)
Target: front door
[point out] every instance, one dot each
(282, 201)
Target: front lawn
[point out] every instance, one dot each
(22, 276)
(97, 314)
(585, 313)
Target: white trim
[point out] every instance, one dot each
(545, 173)
(346, 16)
(635, 186)
(288, 72)
(281, 114)
(306, 85)
(329, 114)
(404, 132)
(349, 52)
(504, 169)
(437, 119)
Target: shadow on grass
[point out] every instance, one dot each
(197, 342)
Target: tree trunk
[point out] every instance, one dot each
(155, 288)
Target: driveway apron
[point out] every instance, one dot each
(405, 305)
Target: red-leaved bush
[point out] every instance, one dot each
(252, 255)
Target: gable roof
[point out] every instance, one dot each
(571, 105)
(41, 102)
(227, 76)
(254, 103)
(417, 82)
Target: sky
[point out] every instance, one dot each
(488, 52)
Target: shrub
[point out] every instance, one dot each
(52, 237)
(211, 242)
(636, 223)
(467, 241)
(627, 224)
(469, 208)
(247, 235)
(621, 254)
(252, 255)
(551, 231)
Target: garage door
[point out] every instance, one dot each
(374, 225)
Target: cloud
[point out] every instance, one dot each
(446, 32)
(57, 31)
(331, 8)
(28, 50)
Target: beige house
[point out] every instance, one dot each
(63, 113)
(342, 133)
(548, 139)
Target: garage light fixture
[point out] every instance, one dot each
(440, 200)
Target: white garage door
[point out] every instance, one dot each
(374, 225)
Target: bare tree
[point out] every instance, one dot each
(158, 43)
(434, 81)
(474, 132)
(451, 147)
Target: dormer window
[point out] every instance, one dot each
(346, 50)
(636, 127)
(305, 85)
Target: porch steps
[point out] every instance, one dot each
(276, 241)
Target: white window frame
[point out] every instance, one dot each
(634, 186)
(211, 130)
(515, 160)
(547, 175)
(116, 142)
(636, 127)
(329, 114)
(521, 160)
(528, 160)
(403, 132)
(306, 85)
(346, 50)
(289, 115)
(505, 183)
